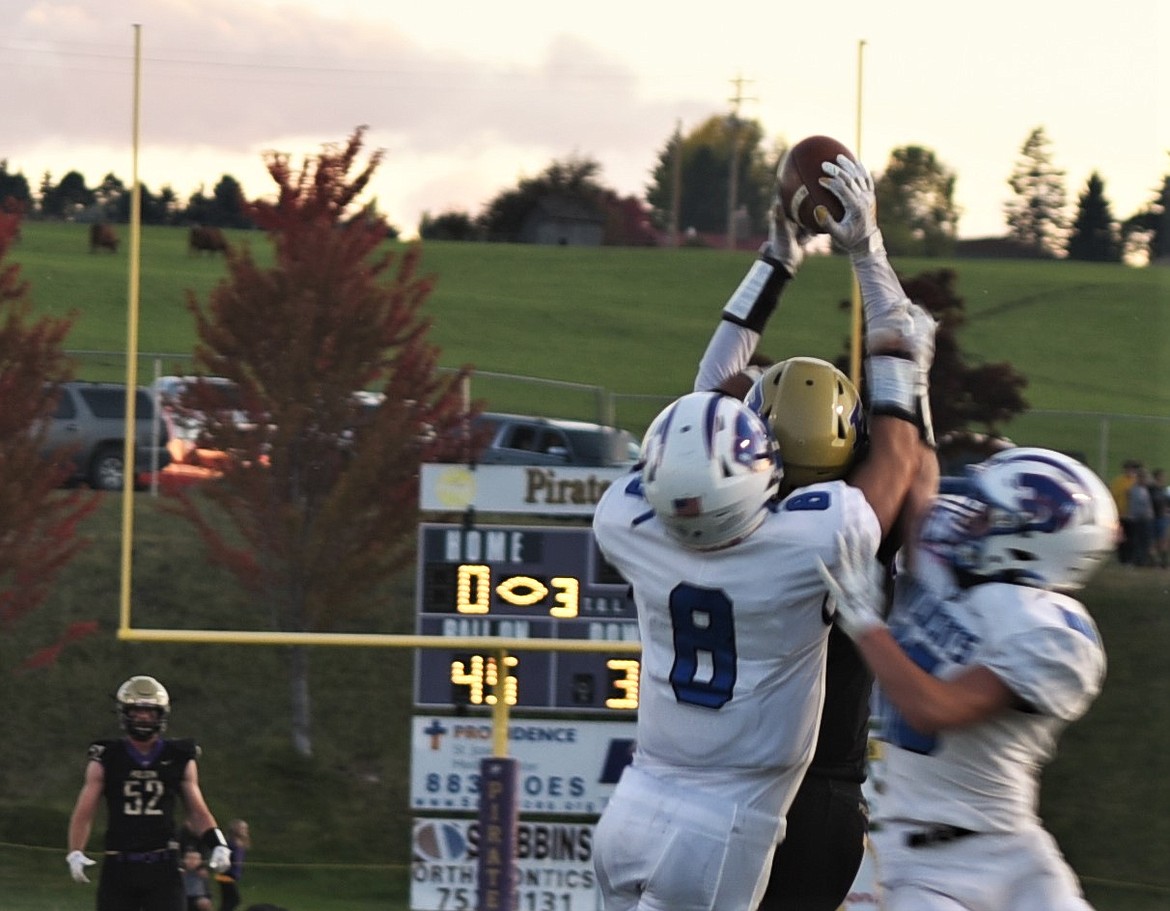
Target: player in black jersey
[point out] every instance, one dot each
(140, 777)
(815, 413)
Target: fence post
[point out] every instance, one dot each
(1104, 453)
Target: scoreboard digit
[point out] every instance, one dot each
(522, 582)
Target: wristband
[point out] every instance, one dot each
(898, 388)
(752, 303)
(213, 838)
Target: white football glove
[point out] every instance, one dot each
(77, 863)
(856, 585)
(786, 239)
(857, 232)
(220, 860)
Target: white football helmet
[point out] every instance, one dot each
(709, 469)
(1029, 516)
(143, 692)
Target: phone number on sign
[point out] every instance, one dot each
(463, 899)
(455, 785)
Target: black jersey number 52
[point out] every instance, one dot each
(141, 797)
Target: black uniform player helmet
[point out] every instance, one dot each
(143, 692)
(815, 413)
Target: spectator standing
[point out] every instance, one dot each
(195, 882)
(1140, 510)
(1119, 487)
(1160, 499)
(239, 838)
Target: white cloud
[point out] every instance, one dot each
(467, 97)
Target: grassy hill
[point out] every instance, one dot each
(1092, 339)
(332, 832)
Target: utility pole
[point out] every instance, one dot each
(733, 172)
(675, 184)
(855, 318)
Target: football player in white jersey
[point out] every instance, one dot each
(731, 606)
(986, 659)
(815, 412)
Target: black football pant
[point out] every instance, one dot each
(130, 886)
(818, 860)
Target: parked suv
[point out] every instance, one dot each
(514, 439)
(89, 424)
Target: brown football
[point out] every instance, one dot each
(798, 181)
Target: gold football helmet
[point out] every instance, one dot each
(816, 416)
(143, 693)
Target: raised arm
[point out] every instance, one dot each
(899, 348)
(747, 311)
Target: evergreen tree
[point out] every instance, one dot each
(1035, 216)
(1149, 230)
(321, 492)
(1094, 234)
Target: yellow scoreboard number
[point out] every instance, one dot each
(473, 590)
(522, 582)
(481, 675)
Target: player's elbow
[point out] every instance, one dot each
(932, 716)
(924, 721)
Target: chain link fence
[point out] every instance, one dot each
(1103, 440)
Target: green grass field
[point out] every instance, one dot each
(332, 832)
(1093, 339)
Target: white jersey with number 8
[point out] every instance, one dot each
(733, 640)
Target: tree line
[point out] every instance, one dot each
(72, 199)
(710, 186)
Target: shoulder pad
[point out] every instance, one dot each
(97, 750)
(185, 748)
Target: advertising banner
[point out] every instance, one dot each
(565, 767)
(553, 871)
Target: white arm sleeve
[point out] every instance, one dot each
(881, 292)
(727, 354)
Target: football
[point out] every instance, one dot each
(798, 181)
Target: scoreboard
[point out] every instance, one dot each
(522, 582)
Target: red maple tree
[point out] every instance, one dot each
(320, 488)
(38, 521)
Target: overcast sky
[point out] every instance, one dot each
(468, 97)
